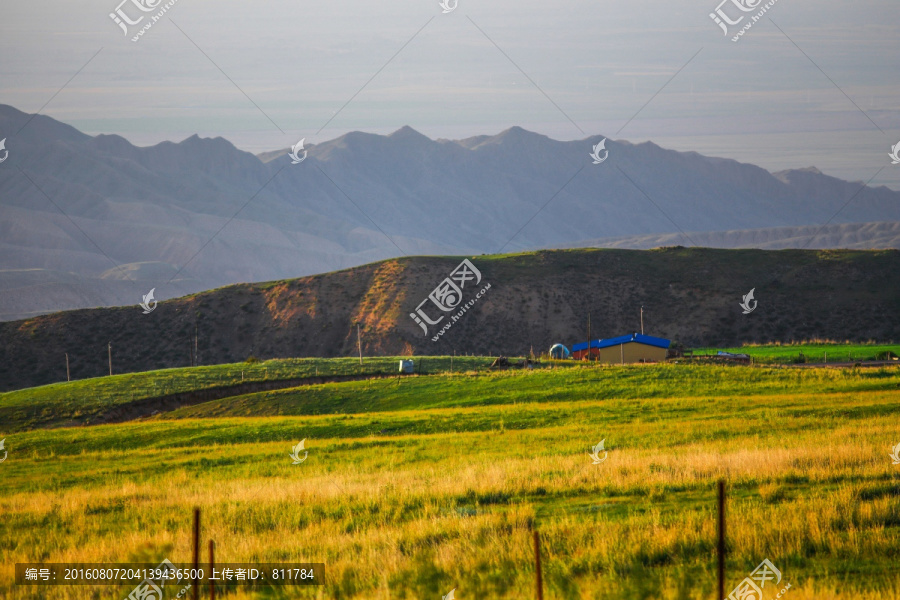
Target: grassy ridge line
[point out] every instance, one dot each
(87, 401)
(81, 401)
(636, 382)
(20, 412)
(497, 401)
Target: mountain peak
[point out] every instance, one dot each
(217, 143)
(514, 136)
(518, 135)
(408, 133)
(516, 132)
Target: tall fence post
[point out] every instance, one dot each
(538, 579)
(194, 582)
(212, 564)
(720, 548)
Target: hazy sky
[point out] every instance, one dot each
(473, 71)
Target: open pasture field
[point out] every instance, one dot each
(812, 352)
(84, 401)
(420, 485)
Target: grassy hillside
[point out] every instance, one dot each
(812, 352)
(140, 395)
(598, 383)
(536, 299)
(415, 487)
(89, 400)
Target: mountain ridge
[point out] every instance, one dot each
(214, 214)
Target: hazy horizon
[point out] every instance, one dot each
(264, 77)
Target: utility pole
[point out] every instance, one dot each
(109, 352)
(589, 337)
(68, 374)
(642, 319)
(359, 343)
(196, 344)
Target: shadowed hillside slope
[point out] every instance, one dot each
(689, 294)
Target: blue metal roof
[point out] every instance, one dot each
(624, 339)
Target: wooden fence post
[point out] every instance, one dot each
(196, 584)
(721, 545)
(212, 563)
(538, 580)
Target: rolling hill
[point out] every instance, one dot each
(691, 295)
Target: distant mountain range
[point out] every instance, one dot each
(859, 236)
(95, 221)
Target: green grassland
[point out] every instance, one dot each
(812, 352)
(83, 402)
(418, 485)
(80, 402)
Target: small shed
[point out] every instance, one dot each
(559, 351)
(632, 348)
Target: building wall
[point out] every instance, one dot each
(582, 353)
(633, 351)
